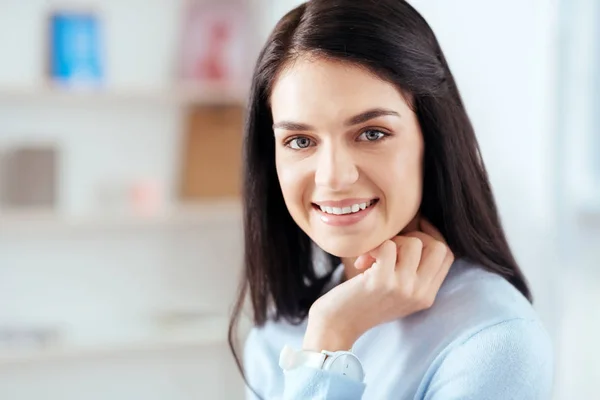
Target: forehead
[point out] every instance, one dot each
(319, 89)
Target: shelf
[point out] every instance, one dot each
(180, 95)
(211, 333)
(189, 215)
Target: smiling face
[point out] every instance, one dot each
(349, 153)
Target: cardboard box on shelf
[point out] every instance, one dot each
(29, 178)
(212, 153)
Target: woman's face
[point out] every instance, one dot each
(349, 154)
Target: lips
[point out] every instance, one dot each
(346, 212)
(353, 208)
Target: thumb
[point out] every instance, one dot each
(363, 262)
(385, 255)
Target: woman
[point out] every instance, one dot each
(358, 147)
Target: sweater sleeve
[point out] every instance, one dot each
(257, 367)
(267, 381)
(509, 360)
(311, 383)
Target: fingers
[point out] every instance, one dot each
(448, 260)
(409, 268)
(363, 262)
(410, 248)
(431, 230)
(436, 257)
(385, 256)
(417, 252)
(439, 278)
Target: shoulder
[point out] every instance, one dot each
(490, 338)
(471, 302)
(475, 305)
(511, 359)
(472, 298)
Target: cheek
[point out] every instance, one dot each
(402, 184)
(291, 180)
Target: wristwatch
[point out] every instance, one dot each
(341, 362)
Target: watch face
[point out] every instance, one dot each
(347, 364)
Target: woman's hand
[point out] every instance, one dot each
(400, 277)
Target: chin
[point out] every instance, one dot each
(345, 248)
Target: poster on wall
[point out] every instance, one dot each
(75, 49)
(214, 44)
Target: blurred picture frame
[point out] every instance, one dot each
(214, 43)
(75, 53)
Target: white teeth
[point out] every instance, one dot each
(346, 210)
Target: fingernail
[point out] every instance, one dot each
(357, 261)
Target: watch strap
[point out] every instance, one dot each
(290, 358)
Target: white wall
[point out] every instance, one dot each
(579, 199)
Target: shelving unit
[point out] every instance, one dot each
(179, 95)
(87, 267)
(212, 332)
(201, 214)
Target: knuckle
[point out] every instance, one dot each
(439, 248)
(372, 286)
(397, 240)
(414, 243)
(389, 245)
(426, 304)
(390, 287)
(426, 301)
(450, 255)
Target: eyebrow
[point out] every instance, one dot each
(355, 120)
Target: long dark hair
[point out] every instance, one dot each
(391, 39)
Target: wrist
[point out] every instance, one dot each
(320, 336)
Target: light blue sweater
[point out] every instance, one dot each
(480, 340)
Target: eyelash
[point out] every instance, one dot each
(383, 136)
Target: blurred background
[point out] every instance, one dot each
(120, 222)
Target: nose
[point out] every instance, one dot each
(336, 169)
